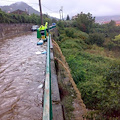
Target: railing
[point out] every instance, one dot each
(47, 104)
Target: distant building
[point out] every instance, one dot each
(19, 12)
(105, 22)
(8, 11)
(117, 23)
(76, 16)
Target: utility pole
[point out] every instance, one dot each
(41, 12)
(61, 13)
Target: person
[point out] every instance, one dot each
(41, 29)
(46, 27)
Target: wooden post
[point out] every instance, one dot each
(41, 12)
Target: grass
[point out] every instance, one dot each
(70, 95)
(89, 65)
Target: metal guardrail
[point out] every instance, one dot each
(47, 104)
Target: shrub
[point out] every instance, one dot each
(110, 45)
(117, 40)
(70, 32)
(96, 38)
(113, 76)
(111, 102)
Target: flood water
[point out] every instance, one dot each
(22, 74)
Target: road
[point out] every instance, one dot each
(22, 74)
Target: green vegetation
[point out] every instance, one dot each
(67, 96)
(23, 18)
(90, 51)
(84, 22)
(117, 40)
(68, 18)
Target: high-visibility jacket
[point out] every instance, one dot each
(46, 25)
(41, 28)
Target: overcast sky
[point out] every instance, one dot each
(72, 7)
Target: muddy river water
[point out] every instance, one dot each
(22, 74)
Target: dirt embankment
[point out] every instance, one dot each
(10, 30)
(72, 104)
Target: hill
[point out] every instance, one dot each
(102, 19)
(19, 5)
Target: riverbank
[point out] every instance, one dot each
(11, 30)
(72, 104)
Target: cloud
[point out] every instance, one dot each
(95, 7)
(72, 7)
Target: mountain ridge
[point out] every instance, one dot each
(19, 5)
(102, 19)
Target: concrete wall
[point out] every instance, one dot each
(8, 30)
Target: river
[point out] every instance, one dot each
(22, 75)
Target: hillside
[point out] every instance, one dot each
(92, 53)
(19, 5)
(103, 19)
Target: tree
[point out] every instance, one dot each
(60, 24)
(68, 18)
(117, 39)
(96, 38)
(111, 23)
(54, 20)
(2, 16)
(85, 22)
(111, 102)
(15, 18)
